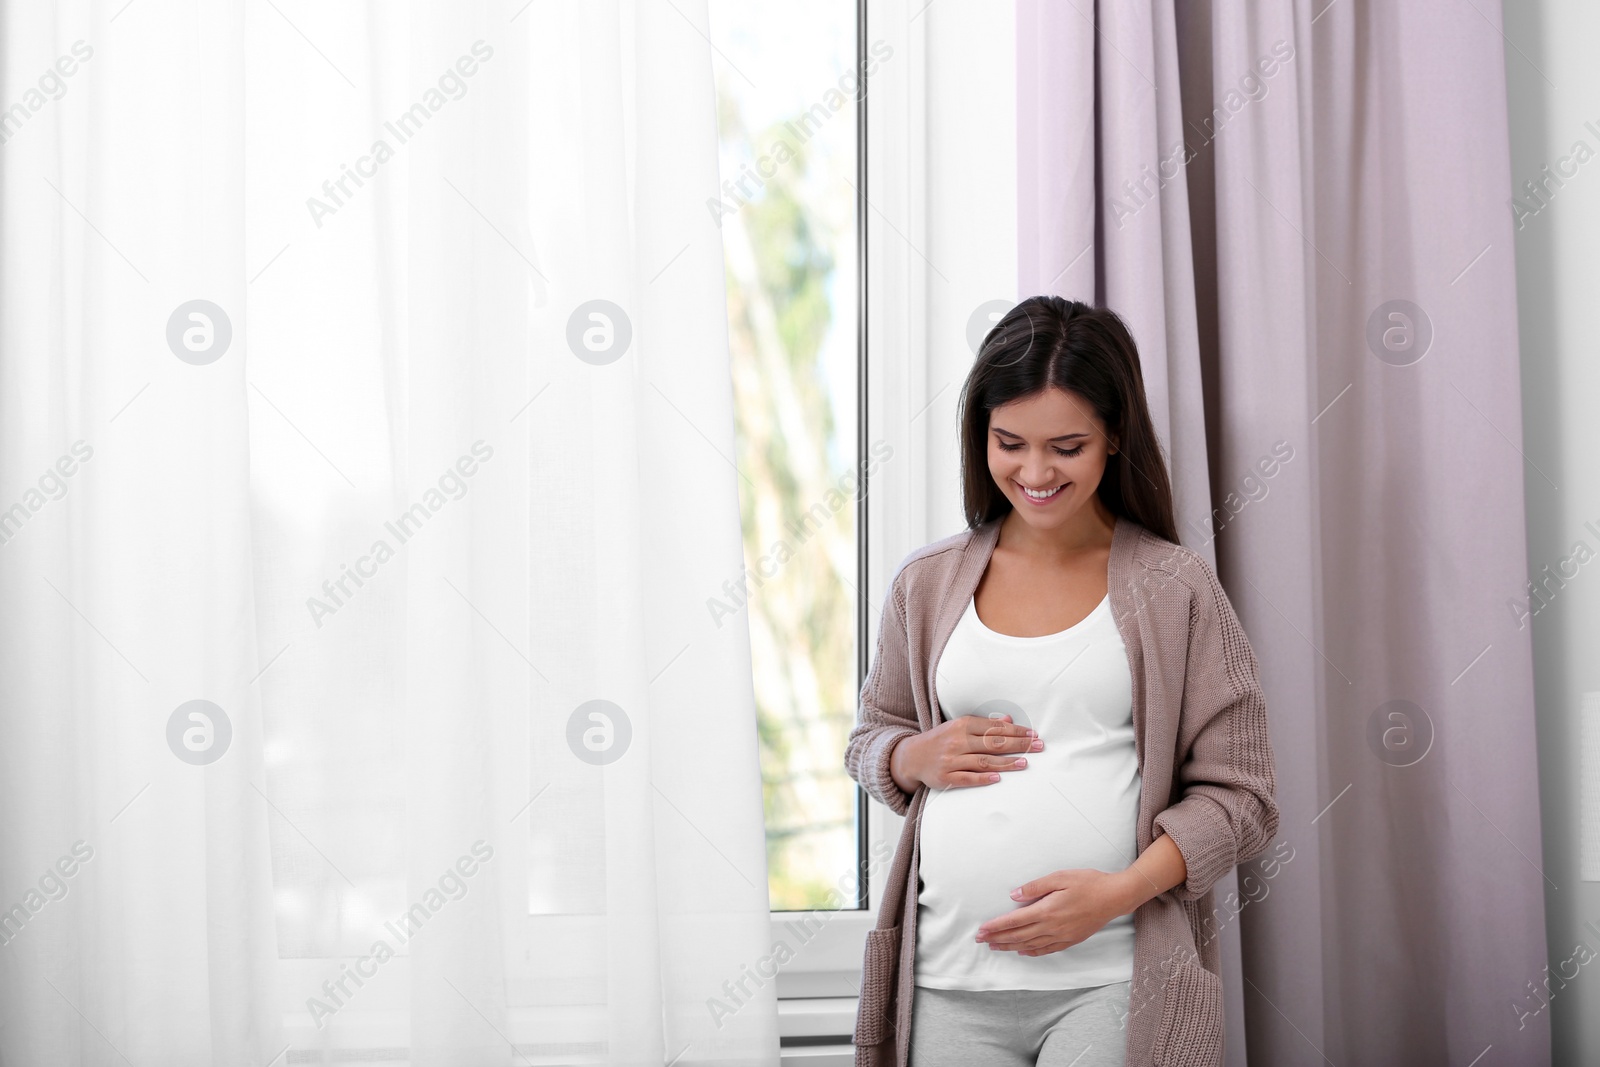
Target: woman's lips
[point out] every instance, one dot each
(1038, 501)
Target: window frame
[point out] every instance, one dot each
(887, 187)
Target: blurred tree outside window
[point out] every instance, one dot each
(788, 220)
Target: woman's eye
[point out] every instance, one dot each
(1068, 452)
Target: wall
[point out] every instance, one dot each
(1554, 88)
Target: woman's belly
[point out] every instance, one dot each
(1067, 809)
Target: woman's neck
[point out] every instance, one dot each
(1088, 529)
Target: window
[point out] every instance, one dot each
(786, 95)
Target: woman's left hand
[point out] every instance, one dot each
(1059, 910)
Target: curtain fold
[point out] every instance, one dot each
(1316, 262)
(366, 440)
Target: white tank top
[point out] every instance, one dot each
(1075, 805)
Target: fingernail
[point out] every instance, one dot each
(1022, 761)
(1016, 894)
(1037, 746)
(994, 777)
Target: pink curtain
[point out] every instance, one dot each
(1301, 209)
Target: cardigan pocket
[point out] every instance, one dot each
(878, 975)
(1190, 1033)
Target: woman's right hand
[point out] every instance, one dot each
(965, 751)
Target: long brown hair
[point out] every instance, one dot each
(1049, 340)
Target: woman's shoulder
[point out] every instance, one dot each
(936, 556)
(1158, 563)
(1151, 551)
(929, 569)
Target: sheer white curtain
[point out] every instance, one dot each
(363, 378)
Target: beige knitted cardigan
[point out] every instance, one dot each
(1207, 778)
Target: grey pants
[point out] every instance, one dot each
(1020, 1027)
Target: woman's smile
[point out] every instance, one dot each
(1038, 496)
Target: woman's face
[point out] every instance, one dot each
(1051, 442)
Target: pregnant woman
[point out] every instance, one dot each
(1065, 708)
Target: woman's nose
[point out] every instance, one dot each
(1037, 475)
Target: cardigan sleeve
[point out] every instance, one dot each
(1227, 813)
(887, 712)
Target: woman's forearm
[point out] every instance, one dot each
(1158, 869)
(900, 763)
